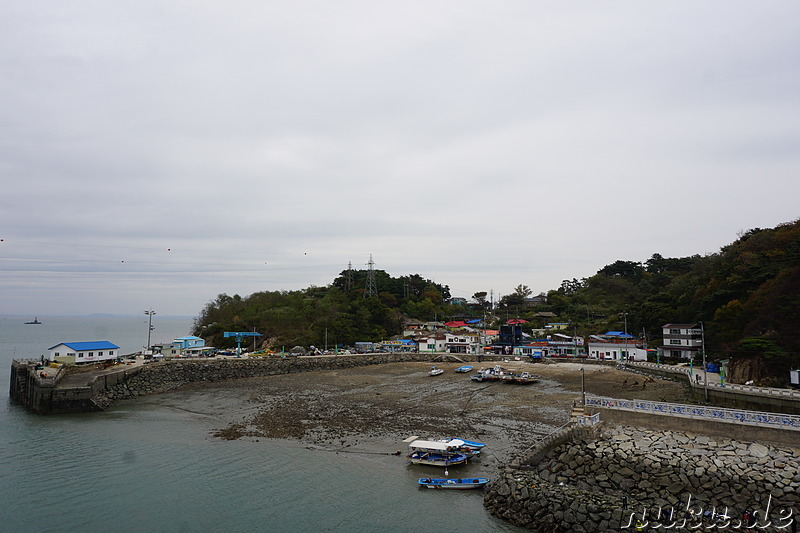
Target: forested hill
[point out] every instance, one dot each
(747, 295)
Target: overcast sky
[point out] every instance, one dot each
(154, 154)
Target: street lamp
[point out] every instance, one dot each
(149, 314)
(705, 369)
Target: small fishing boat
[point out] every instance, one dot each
(464, 369)
(436, 453)
(468, 443)
(436, 371)
(436, 459)
(34, 321)
(457, 483)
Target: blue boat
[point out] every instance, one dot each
(467, 443)
(464, 369)
(436, 453)
(457, 483)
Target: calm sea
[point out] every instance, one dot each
(151, 465)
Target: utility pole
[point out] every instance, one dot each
(705, 369)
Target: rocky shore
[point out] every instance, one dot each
(603, 480)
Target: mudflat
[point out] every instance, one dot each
(373, 408)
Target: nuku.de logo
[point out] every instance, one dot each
(698, 518)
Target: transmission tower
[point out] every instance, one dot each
(370, 289)
(348, 278)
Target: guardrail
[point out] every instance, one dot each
(767, 391)
(699, 412)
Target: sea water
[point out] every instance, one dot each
(152, 464)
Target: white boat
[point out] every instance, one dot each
(436, 371)
(436, 453)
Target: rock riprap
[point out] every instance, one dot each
(595, 483)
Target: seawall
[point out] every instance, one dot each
(599, 482)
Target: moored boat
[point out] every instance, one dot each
(455, 483)
(468, 443)
(465, 368)
(436, 371)
(436, 453)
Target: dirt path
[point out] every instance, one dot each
(374, 408)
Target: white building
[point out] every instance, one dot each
(430, 344)
(616, 346)
(682, 340)
(83, 352)
(461, 343)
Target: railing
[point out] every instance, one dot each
(717, 414)
(768, 391)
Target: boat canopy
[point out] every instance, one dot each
(436, 445)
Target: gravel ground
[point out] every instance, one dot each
(374, 408)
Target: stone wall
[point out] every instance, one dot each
(170, 375)
(594, 484)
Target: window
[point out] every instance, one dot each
(674, 341)
(674, 332)
(99, 354)
(91, 354)
(56, 354)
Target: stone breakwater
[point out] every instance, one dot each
(169, 375)
(595, 482)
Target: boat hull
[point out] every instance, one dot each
(453, 484)
(430, 459)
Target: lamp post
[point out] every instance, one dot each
(625, 316)
(705, 369)
(149, 314)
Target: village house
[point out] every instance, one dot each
(560, 345)
(431, 343)
(84, 352)
(461, 343)
(617, 346)
(682, 341)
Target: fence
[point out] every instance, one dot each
(764, 391)
(699, 412)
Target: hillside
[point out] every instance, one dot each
(747, 295)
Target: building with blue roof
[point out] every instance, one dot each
(83, 352)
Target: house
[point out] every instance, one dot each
(461, 343)
(617, 345)
(560, 345)
(182, 346)
(84, 352)
(398, 346)
(682, 341)
(532, 301)
(533, 349)
(431, 343)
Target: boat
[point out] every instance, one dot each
(525, 378)
(467, 443)
(34, 321)
(436, 371)
(463, 448)
(436, 453)
(464, 369)
(456, 483)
